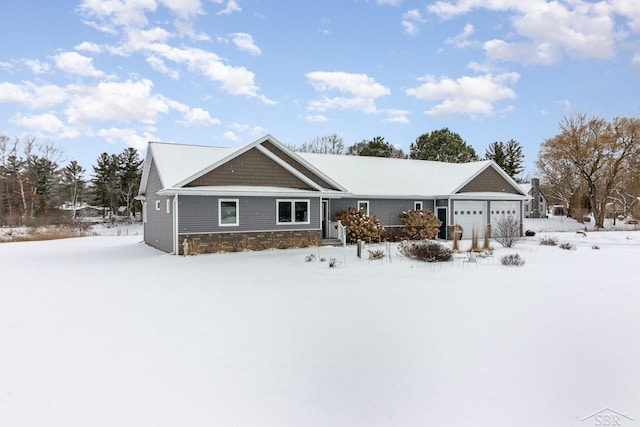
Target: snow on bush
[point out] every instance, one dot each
(425, 250)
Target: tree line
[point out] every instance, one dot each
(441, 145)
(35, 187)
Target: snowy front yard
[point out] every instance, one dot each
(105, 331)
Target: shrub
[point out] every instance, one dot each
(475, 242)
(457, 235)
(507, 231)
(420, 224)
(310, 257)
(512, 260)
(529, 233)
(487, 239)
(425, 250)
(360, 226)
(333, 263)
(548, 241)
(595, 247)
(566, 246)
(376, 254)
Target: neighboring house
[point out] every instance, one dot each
(538, 205)
(264, 195)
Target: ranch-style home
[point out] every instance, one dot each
(264, 195)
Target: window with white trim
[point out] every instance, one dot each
(228, 212)
(417, 205)
(292, 211)
(363, 205)
(157, 205)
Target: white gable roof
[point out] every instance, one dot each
(176, 162)
(384, 177)
(357, 176)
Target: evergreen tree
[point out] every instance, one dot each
(508, 156)
(442, 146)
(377, 147)
(129, 174)
(105, 182)
(73, 184)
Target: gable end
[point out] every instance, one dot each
(489, 180)
(252, 168)
(297, 166)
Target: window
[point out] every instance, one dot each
(228, 212)
(157, 205)
(168, 205)
(363, 205)
(292, 211)
(417, 206)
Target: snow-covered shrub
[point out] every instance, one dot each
(425, 250)
(529, 233)
(420, 224)
(595, 247)
(548, 241)
(360, 226)
(567, 246)
(376, 254)
(512, 260)
(310, 257)
(507, 231)
(333, 263)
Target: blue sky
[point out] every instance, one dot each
(97, 76)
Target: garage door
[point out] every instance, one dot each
(502, 209)
(471, 215)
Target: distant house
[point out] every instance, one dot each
(264, 195)
(538, 205)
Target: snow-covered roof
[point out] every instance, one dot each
(377, 176)
(176, 162)
(359, 176)
(526, 187)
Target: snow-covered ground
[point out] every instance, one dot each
(106, 331)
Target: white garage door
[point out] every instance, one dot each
(502, 209)
(471, 215)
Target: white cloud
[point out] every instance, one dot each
(397, 116)
(199, 117)
(88, 47)
(231, 136)
(74, 63)
(244, 42)
(120, 101)
(462, 39)
(232, 6)
(185, 9)
(32, 95)
(159, 65)
(466, 95)
(389, 2)
(410, 21)
(37, 67)
(546, 31)
(361, 91)
(131, 137)
(319, 118)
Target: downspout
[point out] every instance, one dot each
(176, 240)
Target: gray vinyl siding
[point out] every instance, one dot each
(387, 210)
(199, 214)
(158, 230)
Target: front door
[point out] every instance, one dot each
(442, 216)
(325, 218)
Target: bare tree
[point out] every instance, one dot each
(594, 152)
(507, 231)
(329, 144)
